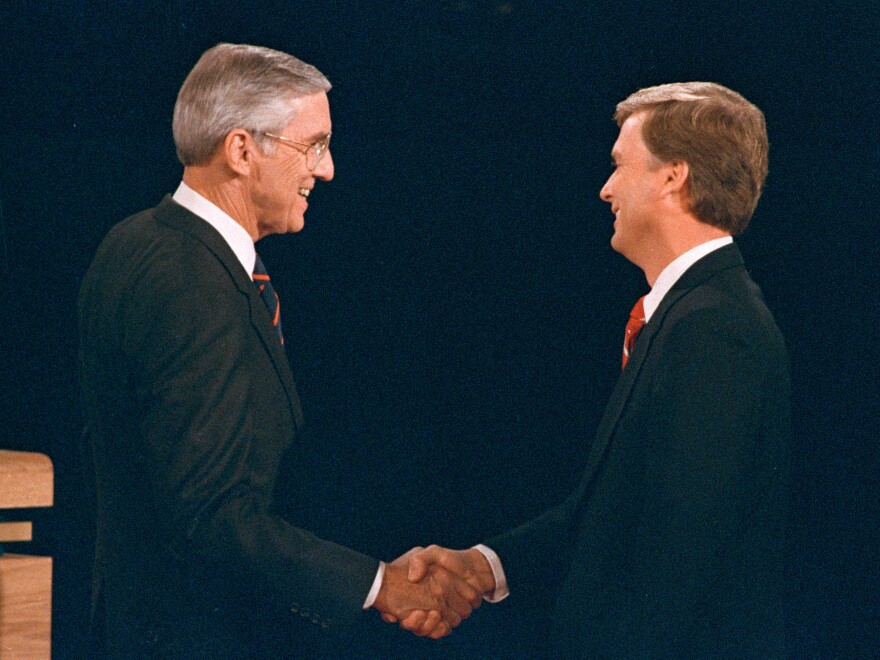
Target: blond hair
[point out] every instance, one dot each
(719, 134)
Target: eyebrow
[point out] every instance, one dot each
(314, 137)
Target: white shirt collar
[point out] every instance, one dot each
(233, 233)
(671, 274)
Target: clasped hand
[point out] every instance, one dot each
(429, 591)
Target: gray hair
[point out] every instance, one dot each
(239, 86)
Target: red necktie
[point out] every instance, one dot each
(633, 328)
(267, 293)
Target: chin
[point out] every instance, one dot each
(294, 223)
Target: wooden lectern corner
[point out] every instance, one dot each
(26, 481)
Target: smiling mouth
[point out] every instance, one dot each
(304, 192)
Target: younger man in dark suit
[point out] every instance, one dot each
(672, 545)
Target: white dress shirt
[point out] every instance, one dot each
(673, 272)
(233, 233)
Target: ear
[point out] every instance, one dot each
(239, 150)
(677, 175)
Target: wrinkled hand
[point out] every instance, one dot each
(431, 605)
(469, 565)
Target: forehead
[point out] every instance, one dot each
(312, 120)
(630, 141)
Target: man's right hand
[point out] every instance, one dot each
(429, 606)
(468, 565)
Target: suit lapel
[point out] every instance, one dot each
(269, 336)
(174, 215)
(726, 257)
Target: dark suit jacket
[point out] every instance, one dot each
(672, 545)
(189, 404)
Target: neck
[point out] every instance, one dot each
(224, 190)
(678, 236)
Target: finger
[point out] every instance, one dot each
(432, 620)
(451, 614)
(467, 591)
(457, 609)
(435, 627)
(387, 617)
(405, 557)
(441, 630)
(418, 566)
(420, 561)
(414, 621)
(453, 618)
(445, 588)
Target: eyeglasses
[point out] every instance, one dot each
(314, 152)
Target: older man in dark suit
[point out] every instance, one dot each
(672, 545)
(189, 399)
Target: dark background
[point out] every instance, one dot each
(453, 309)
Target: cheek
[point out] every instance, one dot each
(295, 174)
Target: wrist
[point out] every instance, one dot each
(392, 575)
(483, 575)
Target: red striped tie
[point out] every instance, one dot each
(267, 293)
(633, 328)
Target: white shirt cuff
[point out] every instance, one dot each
(501, 591)
(377, 584)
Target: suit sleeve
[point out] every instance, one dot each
(196, 368)
(535, 555)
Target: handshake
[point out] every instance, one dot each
(429, 591)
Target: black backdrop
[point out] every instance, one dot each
(453, 309)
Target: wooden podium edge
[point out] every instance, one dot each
(27, 480)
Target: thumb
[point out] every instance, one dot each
(418, 566)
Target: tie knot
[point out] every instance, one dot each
(260, 270)
(638, 310)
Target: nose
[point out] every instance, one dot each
(325, 169)
(605, 192)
